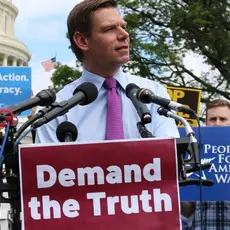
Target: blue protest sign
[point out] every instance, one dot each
(15, 86)
(216, 151)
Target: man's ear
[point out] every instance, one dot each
(81, 41)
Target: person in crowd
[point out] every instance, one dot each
(216, 214)
(100, 41)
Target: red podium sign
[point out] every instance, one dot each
(127, 185)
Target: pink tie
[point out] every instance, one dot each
(114, 124)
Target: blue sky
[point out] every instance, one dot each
(41, 25)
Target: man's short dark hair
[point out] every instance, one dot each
(79, 20)
(217, 103)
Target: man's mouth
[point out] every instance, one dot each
(122, 48)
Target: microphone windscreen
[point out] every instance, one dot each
(46, 96)
(129, 87)
(64, 128)
(90, 91)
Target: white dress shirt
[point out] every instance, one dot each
(90, 120)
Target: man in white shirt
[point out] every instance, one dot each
(99, 39)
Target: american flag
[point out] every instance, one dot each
(49, 64)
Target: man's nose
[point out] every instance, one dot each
(123, 34)
(218, 122)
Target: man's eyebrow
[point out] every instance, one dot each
(216, 116)
(111, 24)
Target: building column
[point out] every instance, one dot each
(12, 25)
(2, 22)
(9, 25)
(14, 61)
(5, 60)
(6, 23)
(20, 63)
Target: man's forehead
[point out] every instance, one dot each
(222, 111)
(104, 15)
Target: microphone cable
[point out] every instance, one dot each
(34, 118)
(5, 122)
(200, 170)
(4, 143)
(23, 136)
(24, 126)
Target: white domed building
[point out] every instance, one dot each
(12, 51)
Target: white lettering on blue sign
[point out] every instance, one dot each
(13, 77)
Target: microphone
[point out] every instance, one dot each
(147, 96)
(142, 110)
(43, 98)
(189, 131)
(66, 132)
(84, 94)
(194, 149)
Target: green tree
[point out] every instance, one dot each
(63, 75)
(163, 31)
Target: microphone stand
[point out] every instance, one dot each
(68, 137)
(144, 132)
(66, 132)
(9, 179)
(193, 163)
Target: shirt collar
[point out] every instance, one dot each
(98, 80)
(121, 78)
(93, 78)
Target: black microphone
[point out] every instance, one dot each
(43, 98)
(142, 110)
(147, 96)
(84, 94)
(66, 132)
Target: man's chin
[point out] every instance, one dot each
(124, 60)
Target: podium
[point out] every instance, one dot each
(133, 157)
(100, 179)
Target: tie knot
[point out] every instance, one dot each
(110, 83)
